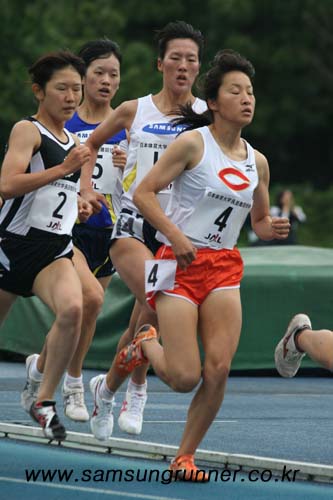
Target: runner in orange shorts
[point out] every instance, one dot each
(218, 178)
(211, 271)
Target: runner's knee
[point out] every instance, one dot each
(216, 373)
(70, 315)
(184, 382)
(93, 299)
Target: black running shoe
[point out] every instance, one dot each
(45, 414)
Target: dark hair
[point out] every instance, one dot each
(280, 195)
(178, 29)
(98, 49)
(43, 69)
(225, 61)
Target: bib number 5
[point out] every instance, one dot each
(98, 170)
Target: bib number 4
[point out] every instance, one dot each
(160, 275)
(221, 220)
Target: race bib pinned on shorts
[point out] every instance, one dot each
(160, 275)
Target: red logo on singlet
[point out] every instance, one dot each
(227, 175)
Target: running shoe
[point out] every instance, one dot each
(184, 469)
(31, 388)
(101, 422)
(132, 355)
(131, 414)
(287, 357)
(45, 414)
(74, 405)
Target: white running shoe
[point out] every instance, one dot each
(287, 357)
(101, 422)
(30, 391)
(131, 414)
(74, 406)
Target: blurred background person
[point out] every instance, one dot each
(284, 207)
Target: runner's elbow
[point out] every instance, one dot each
(7, 190)
(137, 197)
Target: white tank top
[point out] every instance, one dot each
(150, 134)
(210, 202)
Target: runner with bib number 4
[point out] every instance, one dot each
(218, 178)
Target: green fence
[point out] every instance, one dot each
(278, 283)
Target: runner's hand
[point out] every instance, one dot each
(280, 227)
(85, 210)
(95, 199)
(76, 158)
(184, 250)
(119, 157)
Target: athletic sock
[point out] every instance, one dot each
(73, 381)
(296, 335)
(133, 387)
(104, 392)
(34, 373)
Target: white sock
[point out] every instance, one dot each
(104, 392)
(133, 387)
(73, 381)
(34, 373)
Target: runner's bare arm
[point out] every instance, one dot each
(265, 226)
(183, 153)
(121, 118)
(24, 140)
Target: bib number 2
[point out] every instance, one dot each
(56, 213)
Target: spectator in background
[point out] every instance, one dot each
(284, 207)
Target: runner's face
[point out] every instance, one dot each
(102, 79)
(180, 65)
(62, 94)
(235, 100)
